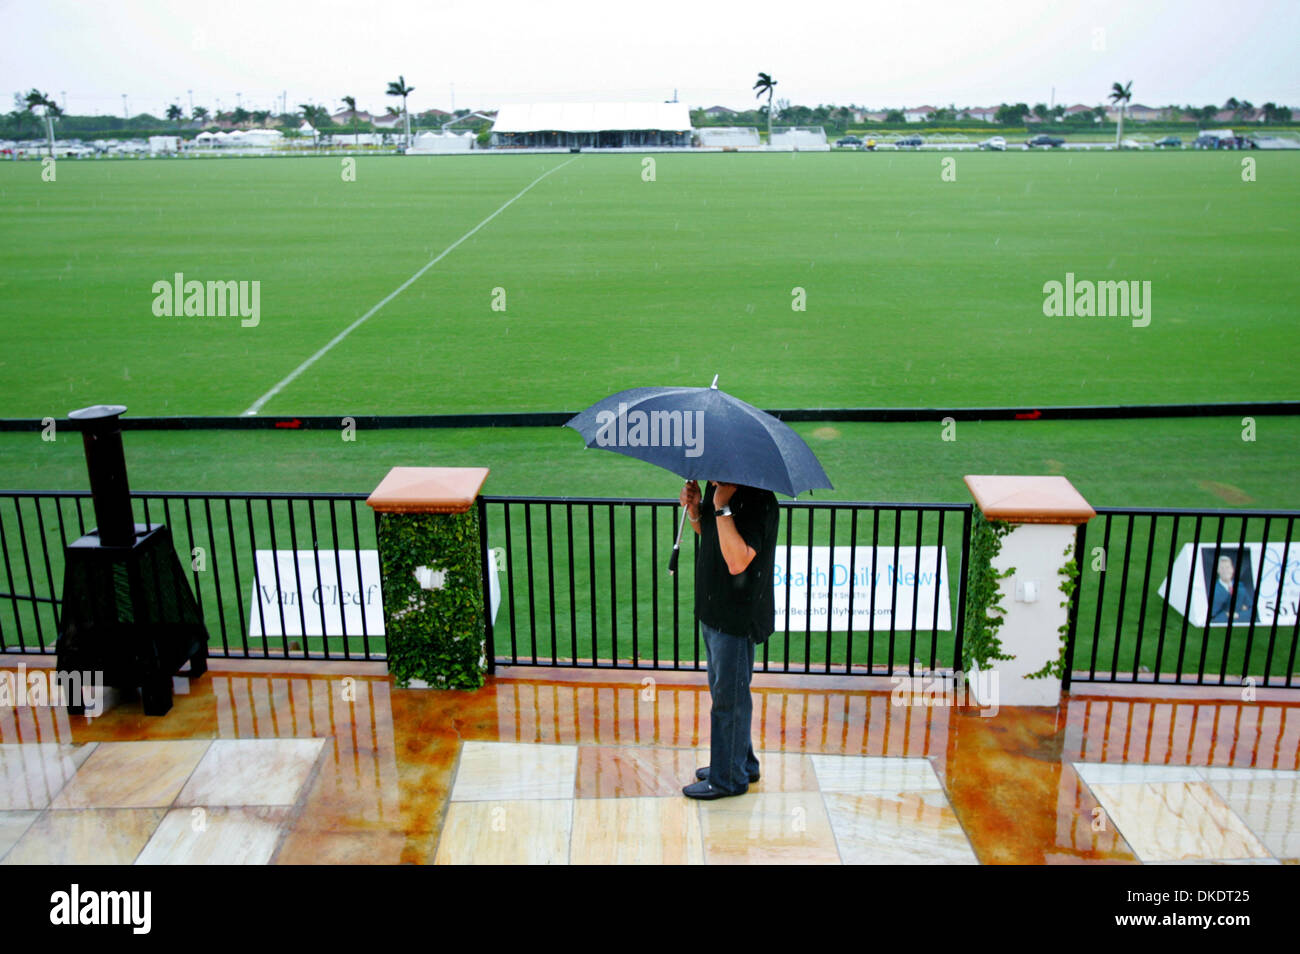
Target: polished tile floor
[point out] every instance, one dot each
(517, 802)
(322, 765)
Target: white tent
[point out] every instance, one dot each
(435, 143)
(592, 117)
(306, 129)
(261, 138)
(727, 136)
(812, 138)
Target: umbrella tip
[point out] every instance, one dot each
(714, 385)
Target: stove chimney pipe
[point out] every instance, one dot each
(105, 460)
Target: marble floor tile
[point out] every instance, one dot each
(842, 773)
(1125, 773)
(1270, 807)
(903, 828)
(33, 773)
(132, 774)
(216, 836)
(1223, 773)
(251, 772)
(305, 847)
(500, 771)
(1219, 861)
(628, 771)
(636, 831)
(91, 836)
(1175, 821)
(785, 772)
(772, 827)
(12, 826)
(527, 831)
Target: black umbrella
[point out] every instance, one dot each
(702, 434)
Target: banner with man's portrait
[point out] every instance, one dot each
(1235, 584)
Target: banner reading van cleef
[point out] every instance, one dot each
(288, 599)
(1236, 584)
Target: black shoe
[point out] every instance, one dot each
(703, 790)
(703, 774)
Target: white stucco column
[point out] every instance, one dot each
(1044, 513)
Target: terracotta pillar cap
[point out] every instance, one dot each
(1018, 499)
(428, 490)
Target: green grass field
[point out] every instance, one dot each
(919, 291)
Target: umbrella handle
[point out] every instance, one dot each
(677, 545)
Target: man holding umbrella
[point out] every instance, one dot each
(748, 455)
(735, 607)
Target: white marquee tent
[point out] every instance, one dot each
(598, 125)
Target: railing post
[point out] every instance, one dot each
(960, 630)
(1080, 534)
(1027, 559)
(485, 555)
(431, 574)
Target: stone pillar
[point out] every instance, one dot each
(431, 572)
(1043, 514)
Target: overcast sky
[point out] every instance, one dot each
(895, 53)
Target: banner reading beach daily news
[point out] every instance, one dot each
(922, 582)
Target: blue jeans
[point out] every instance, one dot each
(731, 748)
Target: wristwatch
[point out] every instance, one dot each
(724, 511)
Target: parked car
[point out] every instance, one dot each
(996, 143)
(1173, 142)
(1042, 139)
(1220, 140)
(852, 142)
(913, 141)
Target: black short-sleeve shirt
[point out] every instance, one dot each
(744, 604)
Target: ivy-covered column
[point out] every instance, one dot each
(1021, 577)
(431, 574)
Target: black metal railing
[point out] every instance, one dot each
(275, 575)
(584, 582)
(1151, 579)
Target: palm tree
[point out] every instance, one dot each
(400, 88)
(351, 103)
(1121, 95)
(199, 113)
(315, 115)
(36, 99)
(767, 85)
(175, 113)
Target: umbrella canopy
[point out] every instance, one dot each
(703, 434)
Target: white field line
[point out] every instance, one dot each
(261, 402)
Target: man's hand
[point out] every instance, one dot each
(690, 499)
(722, 494)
